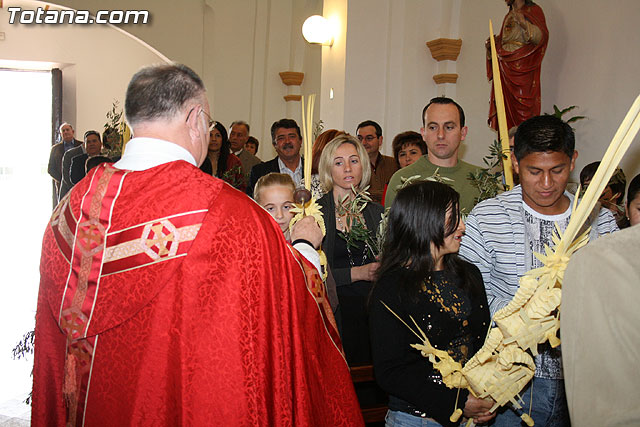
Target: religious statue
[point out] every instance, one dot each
(520, 46)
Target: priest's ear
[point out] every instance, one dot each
(197, 138)
(196, 122)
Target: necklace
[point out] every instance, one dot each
(340, 224)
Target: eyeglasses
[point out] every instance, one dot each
(212, 123)
(367, 138)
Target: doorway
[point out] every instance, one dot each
(25, 197)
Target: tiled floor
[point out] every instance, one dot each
(15, 413)
(15, 385)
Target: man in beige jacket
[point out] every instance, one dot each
(600, 333)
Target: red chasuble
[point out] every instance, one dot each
(520, 74)
(169, 298)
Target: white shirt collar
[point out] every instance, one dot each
(284, 168)
(296, 175)
(553, 218)
(145, 153)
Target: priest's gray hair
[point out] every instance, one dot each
(160, 91)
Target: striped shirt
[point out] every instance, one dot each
(495, 238)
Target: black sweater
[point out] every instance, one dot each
(453, 320)
(372, 214)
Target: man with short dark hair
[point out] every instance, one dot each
(285, 134)
(443, 129)
(58, 150)
(67, 160)
(238, 137)
(504, 233)
(169, 298)
(382, 167)
(92, 147)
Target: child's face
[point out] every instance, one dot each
(278, 201)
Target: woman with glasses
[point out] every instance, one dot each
(422, 278)
(220, 162)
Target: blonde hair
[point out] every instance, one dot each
(270, 180)
(326, 161)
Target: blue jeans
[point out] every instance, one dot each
(549, 408)
(402, 419)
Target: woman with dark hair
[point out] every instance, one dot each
(408, 147)
(220, 162)
(422, 278)
(632, 208)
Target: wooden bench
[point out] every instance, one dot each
(363, 375)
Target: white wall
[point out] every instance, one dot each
(175, 27)
(97, 63)
(591, 61)
(379, 66)
(248, 43)
(333, 66)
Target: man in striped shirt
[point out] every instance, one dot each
(503, 233)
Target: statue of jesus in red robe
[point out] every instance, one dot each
(520, 47)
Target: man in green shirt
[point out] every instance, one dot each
(443, 130)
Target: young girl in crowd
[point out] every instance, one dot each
(274, 192)
(422, 277)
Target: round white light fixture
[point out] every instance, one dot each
(317, 30)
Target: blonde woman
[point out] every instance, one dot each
(344, 164)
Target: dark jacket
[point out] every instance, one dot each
(66, 183)
(260, 170)
(55, 162)
(78, 170)
(371, 214)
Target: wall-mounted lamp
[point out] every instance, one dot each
(317, 30)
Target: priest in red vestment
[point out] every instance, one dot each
(520, 48)
(169, 298)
